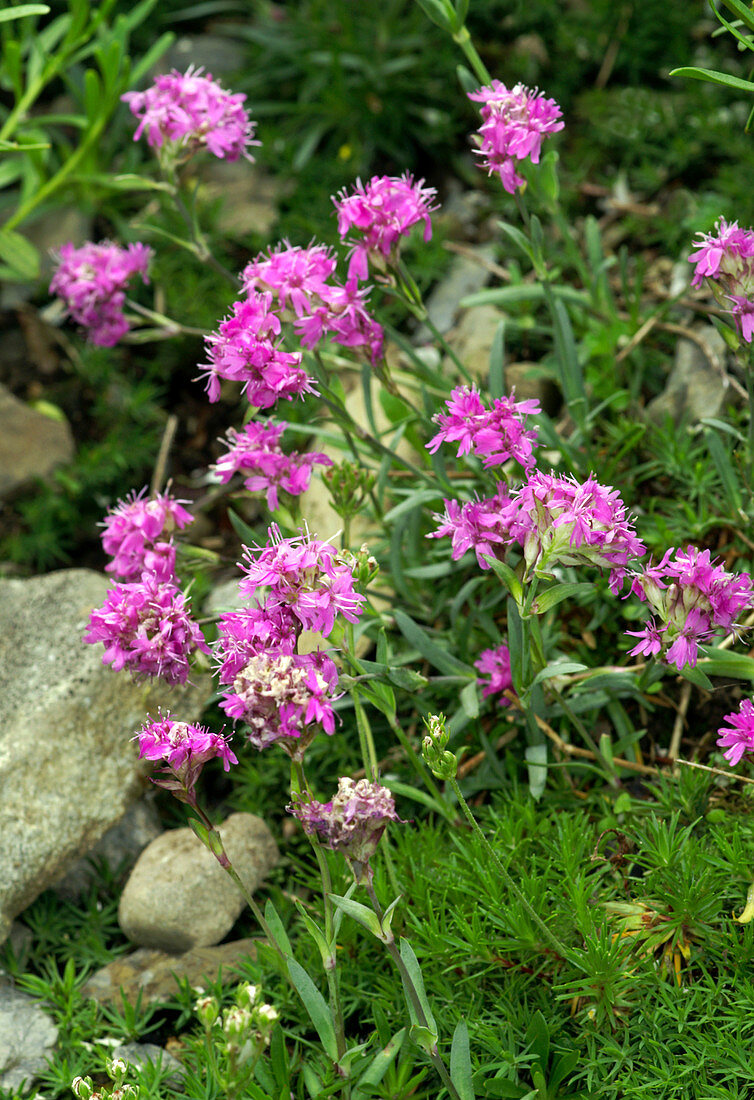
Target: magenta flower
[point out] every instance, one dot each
(91, 281)
(692, 597)
(726, 260)
(514, 122)
(496, 664)
(302, 279)
(245, 633)
(146, 628)
(382, 211)
(135, 532)
(297, 277)
(559, 521)
(184, 749)
(738, 737)
(283, 698)
(246, 349)
(190, 111)
(494, 434)
(352, 823)
(304, 575)
(475, 525)
(256, 453)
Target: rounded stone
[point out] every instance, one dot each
(178, 897)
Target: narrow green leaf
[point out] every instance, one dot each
(507, 576)
(379, 1066)
(559, 592)
(469, 83)
(316, 934)
(536, 766)
(696, 676)
(247, 534)
(277, 927)
(720, 662)
(439, 658)
(362, 914)
(470, 699)
(713, 77)
(416, 794)
(725, 469)
(20, 11)
(316, 1006)
(518, 238)
(460, 1062)
(559, 668)
(497, 362)
(19, 254)
(523, 292)
(440, 12)
(571, 374)
(516, 647)
(411, 963)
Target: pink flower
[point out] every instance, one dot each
(283, 698)
(496, 664)
(245, 633)
(298, 277)
(135, 532)
(691, 596)
(514, 122)
(189, 111)
(304, 575)
(91, 281)
(494, 434)
(302, 279)
(184, 749)
(726, 259)
(475, 525)
(352, 823)
(650, 643)
(256, 453)
(246, 349)
(738, 737)
(383, 211)
(560, 521)
(146, 628)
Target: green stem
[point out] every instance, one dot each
(463, 39)
(413, 995)
(223, 859)
(552, 939)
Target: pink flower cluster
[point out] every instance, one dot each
(91, 281)
(184, 750)
(255, 452)
(691, 596)
(145, 627)
(726, 258)
(189, 111)
(514, 122)
(475, 525)
(302, 279)
(382, 210)
(246, 348)
(137, 535)
(556, 520)
(737, 737)
(352, 823)
(495, 664)
(495, 434)
(305, 576)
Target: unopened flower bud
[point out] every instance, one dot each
(82, 1088)
(441, 763)
(236, 1022)
(266, 1015)
(246, 995)
(348, 484)
(117, 1069)
(207, 1009)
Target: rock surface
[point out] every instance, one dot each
(31, 444)
(68, 767)
(27, 1036)
(154, 975)
(178, 896)
(120, 847)
(697, 384)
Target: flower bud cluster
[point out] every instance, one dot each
(184, 749)
(91, 281)
(137, 535)
(514, 122)
(243, 1029)
(440, 761)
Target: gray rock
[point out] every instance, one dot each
(465, 276)
(141, 1054)
(149, 977)
(472, 338)
(697, 385)
(218, 54)
(121, 845)
(68, 766)
(31, 444)
(249, 196)
(27, 1036)
(178, 896)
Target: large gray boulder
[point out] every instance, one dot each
(68, 766)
